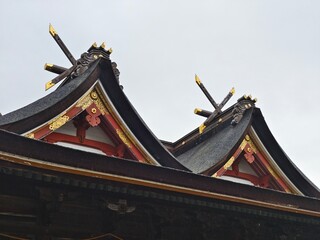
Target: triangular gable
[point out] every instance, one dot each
(252, 164)
(91, 124)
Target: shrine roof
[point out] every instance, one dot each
(207, 152)
(203, 151)
(102, 71)
(214, 145)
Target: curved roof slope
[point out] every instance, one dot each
(46, 108)
(222, 144)
(100, 73)
(290, 170)
(215, 145)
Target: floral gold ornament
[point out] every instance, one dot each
(58, 122)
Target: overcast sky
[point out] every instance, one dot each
(270, 49)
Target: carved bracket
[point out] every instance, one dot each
(244, 103)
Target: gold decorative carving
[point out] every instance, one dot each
(100, 106)
(249, 141)
(30, 135)
(85, 102)
(229, 163)
(243, 143)
(94, 95)
(123, 138)
(93, 110)
(57, 123)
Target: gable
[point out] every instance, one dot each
(91, 124)
(252, 164)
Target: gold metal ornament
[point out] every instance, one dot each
(57, 123)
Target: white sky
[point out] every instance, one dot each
(270, 49)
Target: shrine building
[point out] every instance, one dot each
(80, 163)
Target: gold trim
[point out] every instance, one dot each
(52, 31)
(84, 101)
(103, 45)
(251, 144)
(101, 106)
(201, 128)
(48, 85)
(197, 110)
(232, 91)
(94, 45)
(148, 183)
(94, 95)
(30, 135)
(198, 81)
(229, 163)
(243, 143)
(123, 138)
(90, 98)
(47, 66)
(264, 152)
(113, 112)
(59, 122)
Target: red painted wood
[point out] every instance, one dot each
(60, 137)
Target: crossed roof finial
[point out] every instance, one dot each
(218, 107)
(65, 72)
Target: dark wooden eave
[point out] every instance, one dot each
(46, 108)
(15, 151)
(280, 157)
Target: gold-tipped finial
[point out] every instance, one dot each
(103, 45)
(197, 110)
(94, 45)
(49, 84)
(47, 66)
(255, 99)
(201, 128)
(110, 50)
(52, 31)
(197, 79)
(232, 91)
